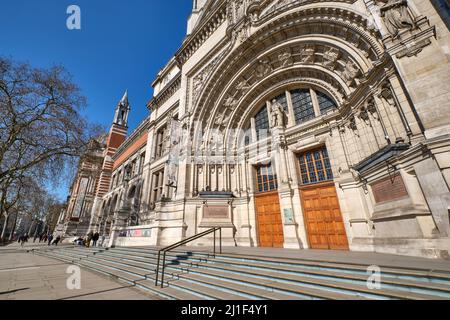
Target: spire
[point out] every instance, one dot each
(124, 100)
(122, 111)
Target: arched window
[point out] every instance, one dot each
(262, 123)
(325, 103)
(303, 105)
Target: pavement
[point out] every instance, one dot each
(24, 276)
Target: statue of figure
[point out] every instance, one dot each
(278, 115)
(396, 16)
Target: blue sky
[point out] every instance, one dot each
(122, 45)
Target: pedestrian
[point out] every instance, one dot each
(95, 238)
(24, 239)
(89, 239)
(50, 239)
(57, 240)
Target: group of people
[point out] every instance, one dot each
(91, 238)
(46, 238)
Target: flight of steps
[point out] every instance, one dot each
(197, 276)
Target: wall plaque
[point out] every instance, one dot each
(389, 189)
(215, 212)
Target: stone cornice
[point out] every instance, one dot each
(173, 86)
(202, 33)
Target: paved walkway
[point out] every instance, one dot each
(24, 276)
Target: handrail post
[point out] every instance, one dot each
(220, 239)
(214, 242)
(163, 269)
(157, 268)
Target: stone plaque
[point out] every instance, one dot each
(288, 216)
(389, 189)
(215, 212)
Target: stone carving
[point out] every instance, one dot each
(330, 58)
(352, 124)
(396, 16)
(243, 86)
(364, 115)
(286, 59)
(307, 54)
(278, 114)
(263, 68)
(200, 79)
(350, 72)
(230, 103)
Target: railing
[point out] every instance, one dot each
(182, 243)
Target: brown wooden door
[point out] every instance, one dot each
(270, 225)
(323, 218)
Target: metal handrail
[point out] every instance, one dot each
(181, 243)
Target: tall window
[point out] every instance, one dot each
(262, 123)
(325, 103)
(159, 148)
(141, 163)
(315, 167)
(157, 186)
(267, 179)
(303, 105)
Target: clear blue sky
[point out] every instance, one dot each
(122, 45)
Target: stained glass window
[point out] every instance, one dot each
(325, 103)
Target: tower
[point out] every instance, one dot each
(117, 135)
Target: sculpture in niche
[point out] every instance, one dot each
(278, 114)
(263, 68)
(350, 72)
(307, 54)
(330, 57)
(286, 59)
(396, 16)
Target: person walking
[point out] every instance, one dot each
(57, 240)
(89, 239)
(24, 239)
(95, 238)
(50, 239)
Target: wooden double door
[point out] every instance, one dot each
(270, 224)
(323, 218)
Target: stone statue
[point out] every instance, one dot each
(396, 16)
(278, 115)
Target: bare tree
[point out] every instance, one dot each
(42, 130)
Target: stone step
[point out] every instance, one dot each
(170, 292)
(255, 293)
(286, 273)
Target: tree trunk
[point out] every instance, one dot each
(13, 228)
(5, 227)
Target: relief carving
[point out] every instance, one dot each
(263, 68)
(286, 59)
(307, 54)
(396, 16)
(330, 58)
(350, 72)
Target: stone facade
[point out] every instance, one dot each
(339, 108)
